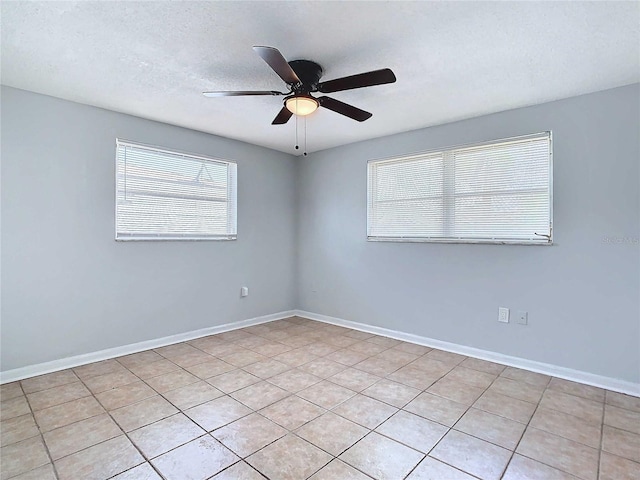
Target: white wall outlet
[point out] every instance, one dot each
(523, 318)
(244, 291)
(503, 314)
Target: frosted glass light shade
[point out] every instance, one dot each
(301, 105)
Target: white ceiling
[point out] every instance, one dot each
(453, 60)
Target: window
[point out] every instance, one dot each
(498, 192)
(164, 195)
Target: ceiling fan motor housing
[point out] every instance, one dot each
(309, 74)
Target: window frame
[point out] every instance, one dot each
(461, 240)
(232, 192)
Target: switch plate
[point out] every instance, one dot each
(523, 318)
(244, 291)
(503, 314)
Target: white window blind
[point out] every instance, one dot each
(165, 195)
(498, 192)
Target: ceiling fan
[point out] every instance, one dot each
(303, 78)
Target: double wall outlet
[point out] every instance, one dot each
(503, 314)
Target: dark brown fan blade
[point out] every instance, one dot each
(368, 79)
(278, 63)
(240, 93)
(283, 117)
(344, 109)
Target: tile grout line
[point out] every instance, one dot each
(210, 432)
(221, 427)
(41, 435)
(206, 433)
(181, 411)
(292, 432)
(125, 434)
(402, 409)
(53, 466)
(107, 412)
(258, 412)
(377, 381)
(318, 337)
(471, 406)
(556, 435)
(513, 453)
(604, 412)
(450, 428)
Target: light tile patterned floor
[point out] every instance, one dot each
(297, 399)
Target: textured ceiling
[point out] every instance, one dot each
(453, 60)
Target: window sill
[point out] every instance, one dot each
(459, 241)
(174, 239)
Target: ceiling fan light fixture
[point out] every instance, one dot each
(303, 77)
(301, 105)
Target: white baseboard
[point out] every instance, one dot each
(601, 381)
(608, 383)
(77, 360)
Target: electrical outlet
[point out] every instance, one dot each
(244, 291)
(503, 314)
(523, 318)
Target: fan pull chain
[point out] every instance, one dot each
(297, 147)
(305, 137)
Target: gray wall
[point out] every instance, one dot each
(69, 288)
(582, 294)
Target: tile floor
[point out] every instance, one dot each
(297, 399)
